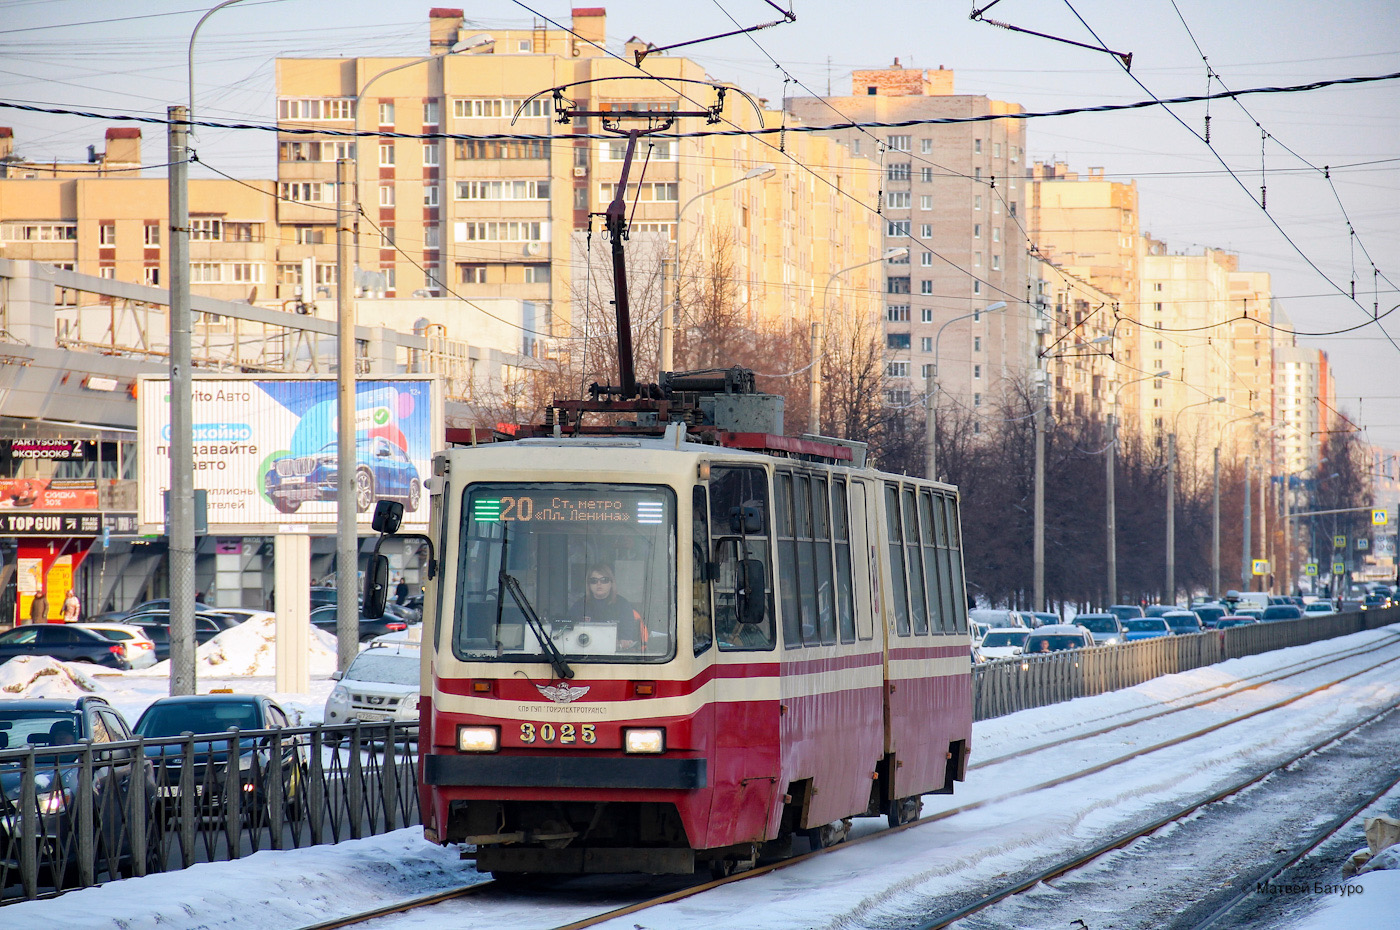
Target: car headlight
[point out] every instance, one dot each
(339, 695)
(644, 739)
(53, 802)
(478, 739)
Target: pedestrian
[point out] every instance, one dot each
(72, 607)
(39, 607)
(401, 591)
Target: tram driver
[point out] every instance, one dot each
(602, 604)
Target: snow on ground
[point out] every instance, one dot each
(295, 888)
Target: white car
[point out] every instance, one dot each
(381, 684)
(1003, 642)
(140, 648)
(1319, 609)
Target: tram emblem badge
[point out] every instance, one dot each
(561, 693)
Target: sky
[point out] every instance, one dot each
(1329, 159)
(880, 882)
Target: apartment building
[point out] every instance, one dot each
(483, 216)
(1305, 398)
(1076, 323)
(953, 197)
(121, 155)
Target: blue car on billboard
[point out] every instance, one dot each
(382, 470)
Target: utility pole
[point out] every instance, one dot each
(1215, 532)
(347, 542)
(1171, 517)
(814, 384)
(1245, 567)
(1038, 545)
(930, 420)
(181, 510)
(1110, 466)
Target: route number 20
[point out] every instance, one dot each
(564, 733)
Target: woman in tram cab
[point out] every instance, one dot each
(602, 604)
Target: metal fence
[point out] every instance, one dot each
(99, 811)
(1004, 686)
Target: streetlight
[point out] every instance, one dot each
(1171, 496)
(1215, 507)
(668, 308)
(931, 388)
(814, 370)
(190, 113)
(1110, 467)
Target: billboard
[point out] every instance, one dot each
(265, 449)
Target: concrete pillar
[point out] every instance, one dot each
(29, 310)
(292, 574)
(382, 351)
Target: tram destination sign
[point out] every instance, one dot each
(266, 449)
(583, 506)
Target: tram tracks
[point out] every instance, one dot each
(989, 897)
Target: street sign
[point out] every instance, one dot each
(1310, 569)
(1379, 517)
(1339, 568)
(1363, 544)
(1339, 542)
(1261, 566)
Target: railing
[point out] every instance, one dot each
(1004, 686)
(72, 816)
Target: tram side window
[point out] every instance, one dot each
(955, 564)
(919, 603)
(739, 527)
(806, 559)
(899, 589)
(703, 625)
(821, 533)
(841, 537)
(939, 618)
(787, 561)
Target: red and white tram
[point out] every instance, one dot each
(650, 653)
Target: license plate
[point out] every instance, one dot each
(173, 791)
(368, 716)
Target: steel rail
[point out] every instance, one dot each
(400, 907)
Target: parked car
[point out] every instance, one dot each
(381, 684)
(1004, 642)
(1376, 600)
(326, 617)
(1145, 628)
(382, 471)
(260, 767)
(1319, 609)
(998, 619)
(978, 629)
(1044, 619)
(324, 594)
(1210, 614)
(1281, 612)
(1234, 620)
(1183, 622)
(65, 642)
(1252, 612)
(48, 722)
(1125, 611)
(1160, 610)
(157, 604)
(1106, 629)
(244, 614)
(140, 648)
(157, 627)
(1057, 637)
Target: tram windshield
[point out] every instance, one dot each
(590, 566)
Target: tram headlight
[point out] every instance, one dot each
(648, 739)
(478, 739)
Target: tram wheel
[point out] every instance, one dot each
(904, 810)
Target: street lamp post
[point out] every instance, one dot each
(931, 389)
(1110, 469)
(814, 371)
(668, 308)
(1171, 496)
(1215, 507)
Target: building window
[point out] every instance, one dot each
(925, 201)
(206, 229)
(308, 235)
(152, 276)
(926, 231)
(926, 259)
(484, 149)
(107, 234)
(977, 259)
(996, 233)
(537, 274)
(926, 146)
(926, 175)
(386, 114)
(900, 259)
(897, 369)
(432, 237)
(616, 150)
(153, 235)
(430, 112)
(897, 228)
(386, 195)
(523, 231)
(996, 262)
(898, 200)
(386, 237)
(897, 286)
(897, 171)
(108, 272)
(897, 340)
(206, 273)
(977, 146)
(977, 343)
(976, 174)
(976, 400)
(430, 155)
(976, 287)
(507, 190)
(245, 273)
(925, 371)
(899, 143)
(925, 287)
(925, 343)
(976, 371)
(386, 154)
(926, 315)
(977, 202)
(430, 195)
(977, 230)
(471, 274)
(242, 232)
(996, 149)
(307, 192)
(897, 313)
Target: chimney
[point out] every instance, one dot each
(123, 147)
(7, 142)
(590, 22)
(443, 26)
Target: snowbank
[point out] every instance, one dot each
(250, 649)
(44, 677)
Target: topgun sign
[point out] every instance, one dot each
(265, 449)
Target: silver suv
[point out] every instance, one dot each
(381, 684)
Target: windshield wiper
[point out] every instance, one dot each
(556, 658)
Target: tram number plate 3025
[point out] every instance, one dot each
(558, 733)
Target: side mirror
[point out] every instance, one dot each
(337, 675)
(746, 519)
(752, 594)
(388, 515)
(376, 593)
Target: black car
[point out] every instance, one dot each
(1183, 622)
(64, 643)
(159, 604)
(267, 764)
(325, 618)
(41, 725)
(1281, 612)
(157, 627)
